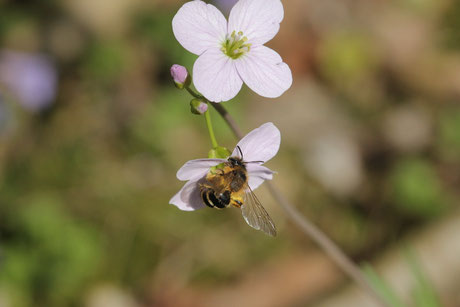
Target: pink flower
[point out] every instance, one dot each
(232, 53)
(260, 144)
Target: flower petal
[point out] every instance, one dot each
(263, 70)
(259, 20)
(189, 198)
(196, 168)
(258, 174)
(199, 26)
(215, 76)
(261, 144)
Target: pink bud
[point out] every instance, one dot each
(198, 107)
(180, 75)
(202, 107)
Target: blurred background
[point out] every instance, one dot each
(92, 132)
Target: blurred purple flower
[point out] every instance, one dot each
(31, 78)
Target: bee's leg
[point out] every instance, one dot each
(215, 172)
(237, 202)
(204, 187)
(220, 172)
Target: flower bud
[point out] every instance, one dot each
(219, 153)
(198, 107)
(180, 76)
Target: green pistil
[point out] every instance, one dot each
(235, 45)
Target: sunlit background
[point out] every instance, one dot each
(92, 132)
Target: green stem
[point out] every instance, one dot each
(207, 115)
(192, 92)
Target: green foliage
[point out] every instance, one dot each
(155, 27)
(423, 293)
(150, 129)
(391, 298)
(449, 134)
(416, 188)
(105, 60)
(451, 26)
(348, 54)
(422, 7)
(53, 256)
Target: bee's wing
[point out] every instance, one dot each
(255, 215)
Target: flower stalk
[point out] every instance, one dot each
(308, 228)
(212, 136)
(207, 116)
(311, 230)
(192, 92)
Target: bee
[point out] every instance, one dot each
(228, 186)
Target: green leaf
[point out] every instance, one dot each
(424, 295)
(417, 189)
(388, 294)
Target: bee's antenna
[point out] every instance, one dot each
(240, 152)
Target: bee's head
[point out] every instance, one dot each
(236, 161)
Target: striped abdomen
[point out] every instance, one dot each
(213, 200)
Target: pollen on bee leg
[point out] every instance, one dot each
(213, 172)
(236, 203)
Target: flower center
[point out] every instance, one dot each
(235, 45)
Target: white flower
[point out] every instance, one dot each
(233, 53)
(261, 144)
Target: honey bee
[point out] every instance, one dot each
(228, 185)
